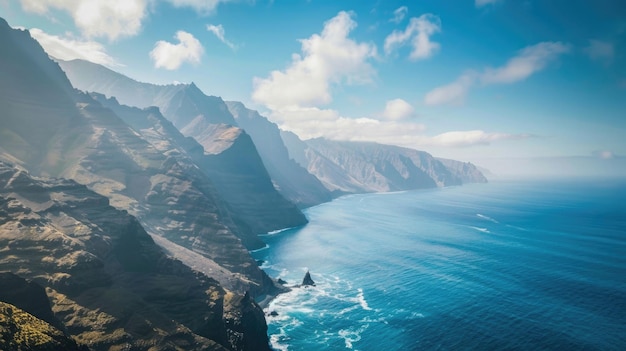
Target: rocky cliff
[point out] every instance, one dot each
(60, 132)
(110, 285)
(290, 178)
(353, 167)
(466, 171)
(238, 176)
(231, 159)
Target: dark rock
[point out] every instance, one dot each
(273, 313)
(307, 281)
(280, 281)
(28, 296)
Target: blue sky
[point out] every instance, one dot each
(465, 79)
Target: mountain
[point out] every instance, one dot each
(354, 167)
(20, 330)
(108, 282)
(231, 159)
(466, 171)
(255, 204)
(61, 132)
(291, 179)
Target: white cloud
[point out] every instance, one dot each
(399, 14)
(171, 56)
(398, 109)
(68, 48)
(201, 6)
(600, 51)
(481, 3)
(417, 34)
(453, 93)
(220, 34)
(529, 60)
(313, 122)
(97, 18)
(327, 58)
(470, 138)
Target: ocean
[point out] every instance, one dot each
(509, 265)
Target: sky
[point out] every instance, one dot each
(463, 79)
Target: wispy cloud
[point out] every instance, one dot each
(203, 7)
(481, 3)
(399, 14)
(327, 59)
(453, 93)
(600, 51)
(220, 33)
(172, 56)
(69, 48)
(528, 61)
(111, 19)
(417, 34)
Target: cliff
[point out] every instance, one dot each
(352, 167)
(230, 159)
(65, 133)
(109, 283)
(290, 178)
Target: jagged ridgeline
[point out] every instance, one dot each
(305, 172)
(110, 284)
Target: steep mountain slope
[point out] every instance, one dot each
(291, 179)
(59, 132)
(467, 172)
(109, 283)
(234, 165)
(252, 198)
(21, 331)
(349, 167)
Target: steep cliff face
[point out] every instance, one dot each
(68, 134)
(109, 283)
(373, 167)
(290, 178)
(244, 182)
(352, 167)
(239, 176)
(466, 171)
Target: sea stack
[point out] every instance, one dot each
(307, 281)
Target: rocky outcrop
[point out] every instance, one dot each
(229, 158)
(308, 281)
(108, 282)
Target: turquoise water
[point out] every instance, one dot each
(505, 265)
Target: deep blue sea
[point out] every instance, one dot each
(534, 265)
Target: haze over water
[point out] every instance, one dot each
(506, 265)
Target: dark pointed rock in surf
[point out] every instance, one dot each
(281, 282)
(307, 281)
